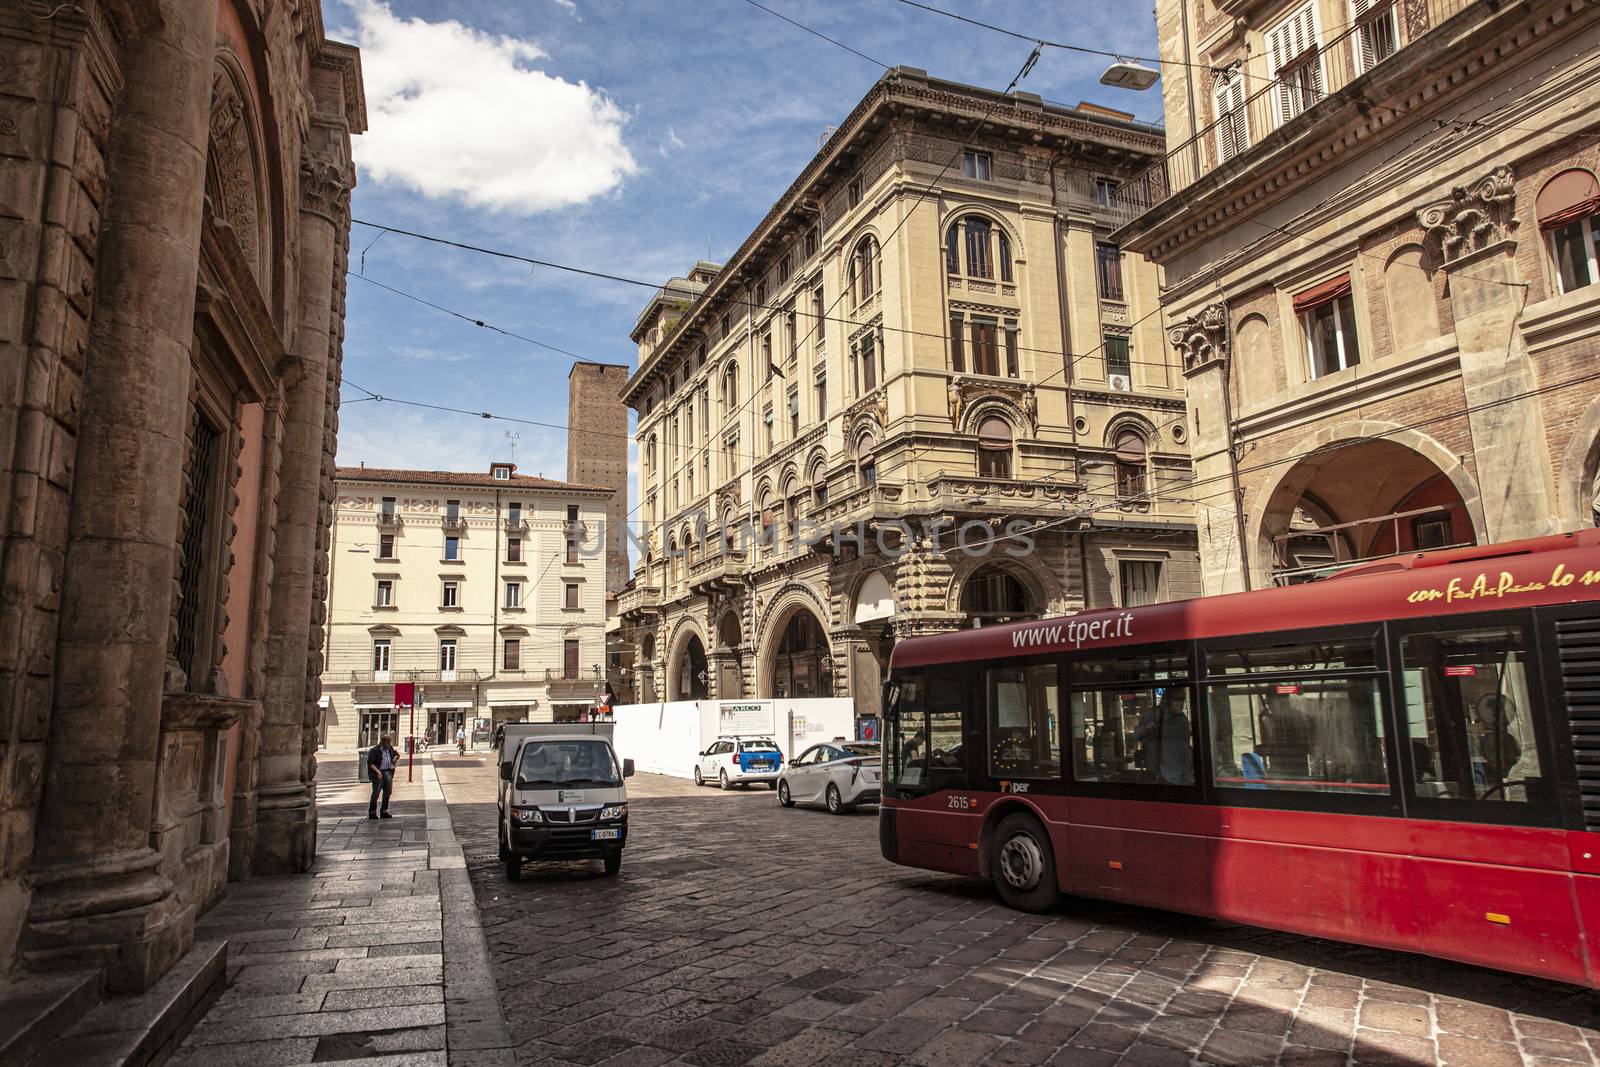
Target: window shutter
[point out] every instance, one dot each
(1227, 141)
(1288, 41)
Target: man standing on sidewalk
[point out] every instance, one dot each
(381, 762)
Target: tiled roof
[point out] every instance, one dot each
(453, 478)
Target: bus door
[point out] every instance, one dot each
(926, 754)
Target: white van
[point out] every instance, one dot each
(562, 795)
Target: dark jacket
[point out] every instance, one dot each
(375, 757)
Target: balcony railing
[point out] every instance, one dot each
(560, 686)
(388, 520)
(464, 676)
(639, 598)
(516, 522)
(453, 522)
(1266, 102)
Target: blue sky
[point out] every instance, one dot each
(626, 137)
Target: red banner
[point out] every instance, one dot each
(404, 693)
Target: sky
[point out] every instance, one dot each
(630, 137)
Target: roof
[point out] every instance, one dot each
(446, 479)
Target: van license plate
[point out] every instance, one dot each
(604, 835)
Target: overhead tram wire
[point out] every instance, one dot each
(818, 33)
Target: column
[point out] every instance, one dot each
(285, 837)
(1515, 482)
(98, 898)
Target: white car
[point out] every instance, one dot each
(837, 774)
(732, 761)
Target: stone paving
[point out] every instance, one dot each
(739, 932)
(375, 957)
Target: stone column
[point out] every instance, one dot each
(1471, 233)
(98, 898)
(285, 837)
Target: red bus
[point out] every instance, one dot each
(1406, 755)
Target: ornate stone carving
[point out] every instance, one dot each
(230, 168)
(1473, 217)
(1201, 339)
(324, 187)
(969, 395)
(955, 401)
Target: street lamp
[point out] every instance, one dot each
(1124, 74)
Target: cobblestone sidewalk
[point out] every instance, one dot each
(376, 957)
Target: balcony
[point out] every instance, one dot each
(639, 599)
(716, 571)
(465, 676)
(561, 687)
(516, 523)
(453, 522)
(390, 520)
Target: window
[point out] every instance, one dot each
(727, 326)
(985, 347)
(1432, 531)
(766, 423)
(452, 511)
(811, 242)
(513, 550)
(1232, 117)
(514, 513)
(1377, 31)
(388, 510)
(1132, 453)
(570, 601)
(449, 595)
(952, 249)
(1140, 582)
(761, 294)
(957, 359)
(1133, 727)
(766, 355)
(854, 191)
(513, 654)
(1024, 721)
(1569, 215)
(994, 448)
(1108, 268)
(866, 462)
(572, 513)
(1298, 716)
(819, 485)
(979, 264)
(976, 165)
(380, 655)
(1469, 718)
(385, 594)
(864, 269)
(820, 389)
(452, 547)
(794, 412)
(513, 594)
(572, 543)
(791, 335)
(1117, 356)
(502, 474)
(1011, 348)
(869, 362)
(1004, 256)
(1105, 191)
(730, 389)
(386, 546)
(569, 658)
(1327, 313)
(447, 655)
(1294, 50)
(783, 269)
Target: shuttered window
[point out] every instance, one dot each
(1376, 36)
(1232, 121)
(1295, 49)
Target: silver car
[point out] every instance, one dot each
(837, 774)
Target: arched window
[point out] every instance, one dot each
(864, 269)
(819, 484)
(650, 455)
(1004, 256)
(994, 447)
(730, 390)
(675, 561)
(791, 508)
(980, 259)
(1132, 454)
(866, 459)
(1569, 214)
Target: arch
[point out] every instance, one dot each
(1407, 459)
(865, 268)
(990, 589)
(730, 385)
(866, 457)
(1413, 308)
(730, 631)
(687, 662)
(992, 407)
(236, 178)
(996, 439)
(873, 600)
(971, 234)
(792, 600)
(1253, 344)
(1128, 421)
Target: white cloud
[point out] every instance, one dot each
(569, 6)
(459, 113)
(390, 435)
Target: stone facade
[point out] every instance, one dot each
(881, 376)
(421, 593)
(174, 182)
(1386, 329)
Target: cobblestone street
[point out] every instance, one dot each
(739, 932)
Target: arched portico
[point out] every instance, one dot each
(998, 588)
(688, 668)
(795, 657)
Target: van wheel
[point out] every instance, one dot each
(1022, 864)
(783, 795)
(722, 779)
(513, 868)
(613, 862)
(835, 801)
(698, 779)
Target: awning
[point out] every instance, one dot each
(373, 707)
(1325, 293)
(522, 702)
(1569, 196)
(1131, 447)
(864, 448)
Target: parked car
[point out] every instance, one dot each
(837, 774)
(732, 761)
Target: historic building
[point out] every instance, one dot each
(927, 344)
(1378, 224)
(174, 181)
(487, 591)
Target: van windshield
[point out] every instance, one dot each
(548, 763)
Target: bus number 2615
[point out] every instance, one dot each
(963, 803)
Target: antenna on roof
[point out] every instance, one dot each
(513, 436)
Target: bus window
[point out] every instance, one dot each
(1133, 734)
(942, 752)
(904, 727)
(1345, 653)
(1142, 668)
(1308, 734)
(1468, 716)
(1024, 721)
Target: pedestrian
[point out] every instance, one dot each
(381, 762)
(461, 740)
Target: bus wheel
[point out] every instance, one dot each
(1022, 865)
